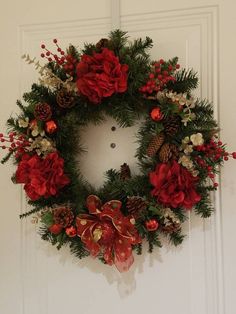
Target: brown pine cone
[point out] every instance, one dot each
(135, 205)
(43, 112)
(165, 153)
(102, 43)
(63, 216)
(174, 151)
(125, 172)
(65, 99)
(155, 144)
(171, 228)
(171, 125)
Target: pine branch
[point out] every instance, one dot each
(30, 212)
(186, 80)
(77, 248)
(176, 238)
(7, 157)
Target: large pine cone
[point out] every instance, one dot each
(65, 99)
(43, 112)
(125, 172)
(135, 205)
(63, 216)
(165, 153)
(171, 125)
(155, 144)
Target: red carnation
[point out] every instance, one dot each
(42, 177)
(101, 75)
(174, 185)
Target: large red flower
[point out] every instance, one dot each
(42, 177)
(174, 185)
(106, 230)
(101, 75)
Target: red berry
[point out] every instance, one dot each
(170, 67)
(157, 64)
(151, 75)
(234, 155)
(159, 77)
(177, 66)
(226, 158)
(165, 73)
(161, 61)
(55, 229)
(1, 135)
(220, 143)
(47, 53)
(42, 55)
(211, 175)
(55, 41)
(42, 46)
(50, 59)
(62, 52)
(216, 185)
(3, 147)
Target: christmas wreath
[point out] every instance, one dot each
(178, 155)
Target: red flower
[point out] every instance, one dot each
(106, 230)
(101, 75)
(42, 177)
(174, 185)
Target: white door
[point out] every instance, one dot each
(197, 278)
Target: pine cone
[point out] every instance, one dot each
(155, 144)
(65, 99)
(102, 43)
(43, 112)
(171, 125)
(170, 222)
(125, 172)
(174, 151)
(171, 228)
(63, 216)
(135, 205)
(165, 153)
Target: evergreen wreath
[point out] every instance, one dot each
(178, 155)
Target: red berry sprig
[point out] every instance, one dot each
(14, 143)
(212, 153)
(161, 73)
(68, 62)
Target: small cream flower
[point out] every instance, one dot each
(197, 139)
(23, 123)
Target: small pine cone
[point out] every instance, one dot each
(155, 144)
(174, 151)
(171, 228)
(42, 112)
(125, 172)
(171, 125)
(165, 153)
(135, 205)
(102, 43)
(63, 216)
(65, 99)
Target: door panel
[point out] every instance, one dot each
(187, 279)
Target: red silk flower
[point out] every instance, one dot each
(43, 177)
(174, 185)
(108, 231)
(101, 75)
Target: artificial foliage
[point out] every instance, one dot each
(178, 157)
